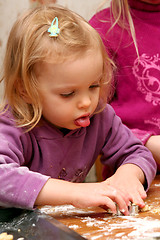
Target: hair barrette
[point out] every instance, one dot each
(53, 29)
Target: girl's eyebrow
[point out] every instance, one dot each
(65, 87)
(73, 86)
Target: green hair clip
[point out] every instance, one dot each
(53, 29)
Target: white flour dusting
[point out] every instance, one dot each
(96, 237)
(157, 185)
(108, 226)
(139, 227)
(74, 226)
(63, 209)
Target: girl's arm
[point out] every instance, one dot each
(131, 163)
(153, 144)
(82, 195)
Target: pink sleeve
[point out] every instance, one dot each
(142, 134)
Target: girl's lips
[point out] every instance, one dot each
(83, 121)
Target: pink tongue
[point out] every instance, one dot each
(82, 122)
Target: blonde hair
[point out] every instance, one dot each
(29, 43)
(122, 17)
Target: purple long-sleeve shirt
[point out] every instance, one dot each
(137, 80)
(28, 159)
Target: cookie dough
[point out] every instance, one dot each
(5, 236)
(146, 208)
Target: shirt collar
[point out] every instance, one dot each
(143, 6)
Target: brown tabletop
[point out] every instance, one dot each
(95, 223)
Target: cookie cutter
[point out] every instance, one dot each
(132, 208)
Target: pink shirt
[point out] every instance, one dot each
(137, 82)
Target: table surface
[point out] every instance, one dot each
(95, 223)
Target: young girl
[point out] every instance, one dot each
(52, 126)
(130, 32)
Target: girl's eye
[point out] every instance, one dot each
(95, 86)
(65, 95)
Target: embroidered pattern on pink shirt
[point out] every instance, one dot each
(147, 71)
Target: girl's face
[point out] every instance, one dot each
(70, 90)
(151, 1)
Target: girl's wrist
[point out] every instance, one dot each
(132, 169)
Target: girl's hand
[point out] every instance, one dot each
(129, 178)
(99, 194)
(83, 195)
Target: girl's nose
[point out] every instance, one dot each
(84, 101)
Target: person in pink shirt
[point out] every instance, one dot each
(130, 32)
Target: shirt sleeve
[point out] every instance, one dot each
(19, 187)
(122, 147)
(142, 134)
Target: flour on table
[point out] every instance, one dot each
(139, 227)
(63, 209)
(157, 185)
(108, 225)
(156, 210)
(73, 226)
